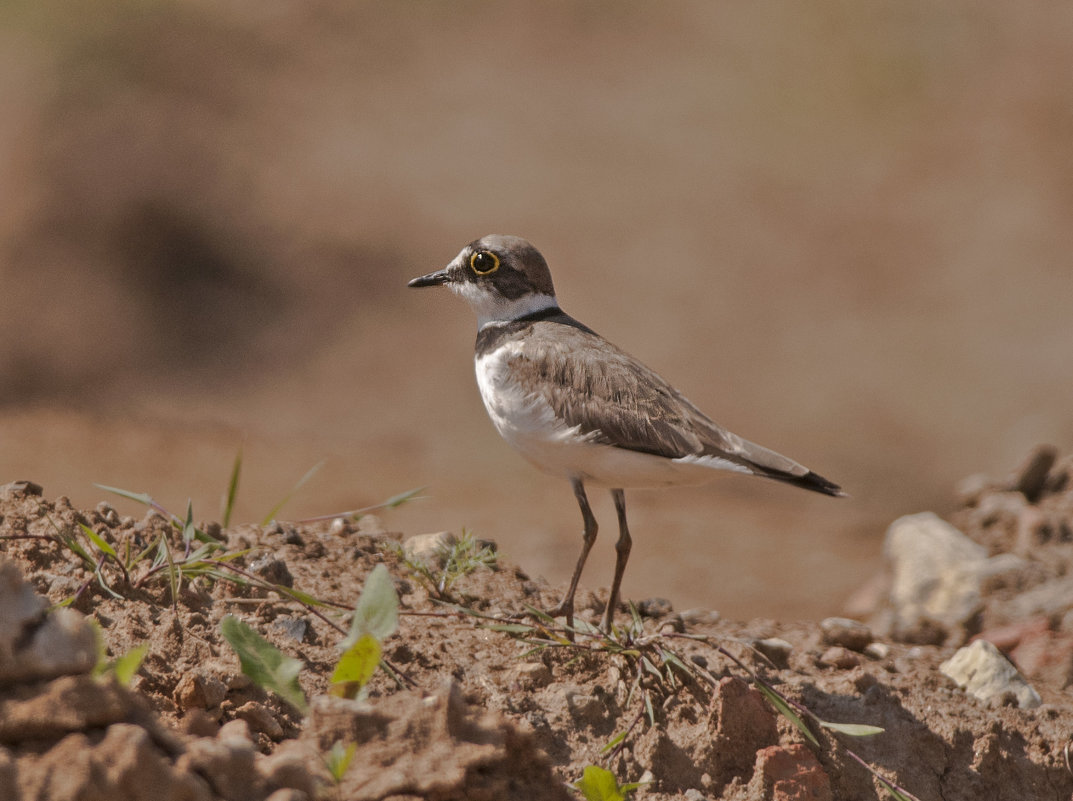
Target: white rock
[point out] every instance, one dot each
(35, 644)
(430, 548)
(936, 570)
(982, 671)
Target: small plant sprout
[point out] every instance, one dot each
(338, 759)
(600, 784)
(458, 559)
(265, 664)
(375, 619)
(123, 667)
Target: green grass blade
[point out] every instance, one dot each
(611, 745)
(301, 483)
(299, 595)
(264, 663)
(173, 579)
(853, 729)
(76, 548)
(538, 614)
(138, 497)
(143, 498)
(99, 541)
(127, 665)
(786, 711)
(398, 500)
(509, 628)
(390, 503)
(894, 791)
(189, 529)
(232, 489)
(339, 758)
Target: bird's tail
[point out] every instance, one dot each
(767, 463)
(810, 481)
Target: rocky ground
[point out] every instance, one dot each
(499, 706)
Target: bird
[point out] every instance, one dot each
(579, 407)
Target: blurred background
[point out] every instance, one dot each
(843, 230)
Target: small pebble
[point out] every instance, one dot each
(654, 607)
(294, 627)
(776, 649)
(259, 719)
(700, 617)
(1033, 473)
(877, 650)
(428, 548)
(532, 674)
(272, 570)
(672, 624)
(845, 632)
(841, 658)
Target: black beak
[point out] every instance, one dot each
(432, 279)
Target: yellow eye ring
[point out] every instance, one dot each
(484, 262)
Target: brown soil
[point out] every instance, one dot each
(478, 713)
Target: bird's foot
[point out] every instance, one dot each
(564, 608)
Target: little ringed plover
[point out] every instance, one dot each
(577, 406)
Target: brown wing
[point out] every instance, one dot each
(618, 401)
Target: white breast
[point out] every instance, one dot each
(522, 418)
(529, 424)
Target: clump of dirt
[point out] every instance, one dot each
(478, 702)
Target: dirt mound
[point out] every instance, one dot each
(475, 702)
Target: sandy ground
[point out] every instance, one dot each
(478, 700)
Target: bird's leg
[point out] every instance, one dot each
(566, 606)
(622, 549)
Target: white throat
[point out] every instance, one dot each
(491, 307)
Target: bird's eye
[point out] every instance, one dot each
(484, 262)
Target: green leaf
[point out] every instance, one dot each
(76, 548)
(894, 791)
(539, 614)
(264, 663)
(598, 784)
(174, 576)
(127, 665)
(232, 489)
(99, 541)
(671, 658)
(647, 664)
(509, 628)
(398, 500)
(377, 612)
(786, 711)
(358, 663)
(189, 530)
(138, 497)
(853, 729)
(298, 595)
(611, 745)
(101, 665)
(339, 758)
